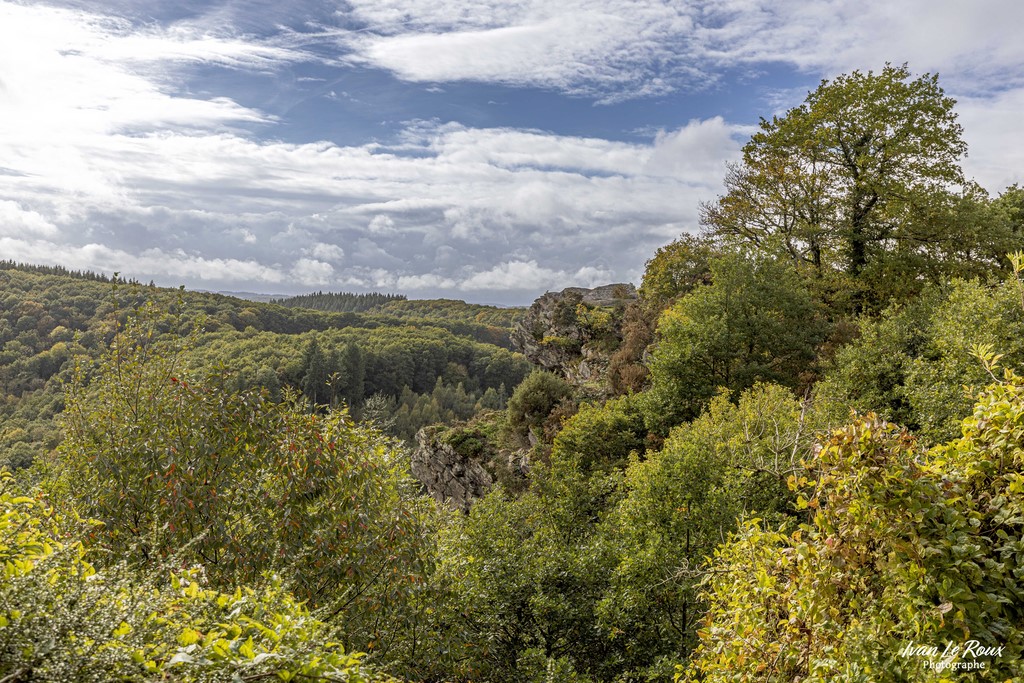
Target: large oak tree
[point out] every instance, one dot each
(860, 183)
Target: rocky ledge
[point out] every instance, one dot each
(574, 332)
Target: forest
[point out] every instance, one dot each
(794, 453)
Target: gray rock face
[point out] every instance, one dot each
(618, 294)
(449, 476)
(570, 332)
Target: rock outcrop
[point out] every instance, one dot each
(458, 464)
(449, 475)
(574, 332)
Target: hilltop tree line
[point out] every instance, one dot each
(805, 463)
(338, 302)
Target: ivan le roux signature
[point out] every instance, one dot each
(971, 648)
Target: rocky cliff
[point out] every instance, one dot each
(459, 464)
(574, 332)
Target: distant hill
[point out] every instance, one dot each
(431, 361)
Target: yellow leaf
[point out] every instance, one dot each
(246, 649)
(189, 636)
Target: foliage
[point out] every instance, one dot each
(682, 501)
(446, 404)
(532, 402)
(756, 322)
(449, 309)
(871, 372)
(901, 548)
(339, 301)
(316, 375)
(601, 437)
(675, 270)
(239, 521)
(8, 264)
(524, 577)
(49, 315)
(626, 371)
(62, 619)
(857, 184)
(915, 365)
(487, 324)
(242, 486)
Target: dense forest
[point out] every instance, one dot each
(796, 452)
(423, 368)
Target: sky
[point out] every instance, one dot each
(485, 150)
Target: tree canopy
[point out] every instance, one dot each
(862, 180)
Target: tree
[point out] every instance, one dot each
(524, 576)
(857, 179)
(675, 270)
(241, 485)
(601, 437)
(914, 364)
(316, 374)
(755, 323)
(62, 619)
(681, 502)
(354, 371)
(533, 400)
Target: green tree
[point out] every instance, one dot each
(1011, 204)
(352, 366)
(533, 401)
(524, 577)
(601, 437)
(267, 378)
(915, 365)
(857, 180)
(316, 374)
(675, 270)
(756, 322)
(62, 619)
(682, 501)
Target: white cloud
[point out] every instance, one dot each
(427, 281)
(312, 272)
(17, 221)
(382, 224)
(580, 46)
(615, 49)
(491, 198)
(147, 263)
(992, 128)
(111, 162)
(529, 276)
(327, 252)
(974, 45)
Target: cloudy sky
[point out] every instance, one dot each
(487, 150)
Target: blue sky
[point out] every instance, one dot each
(484, 150)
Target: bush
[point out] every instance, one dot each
(533, 401)
(61, 619)
(899, 547)
(756, 322)
(243, 486)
